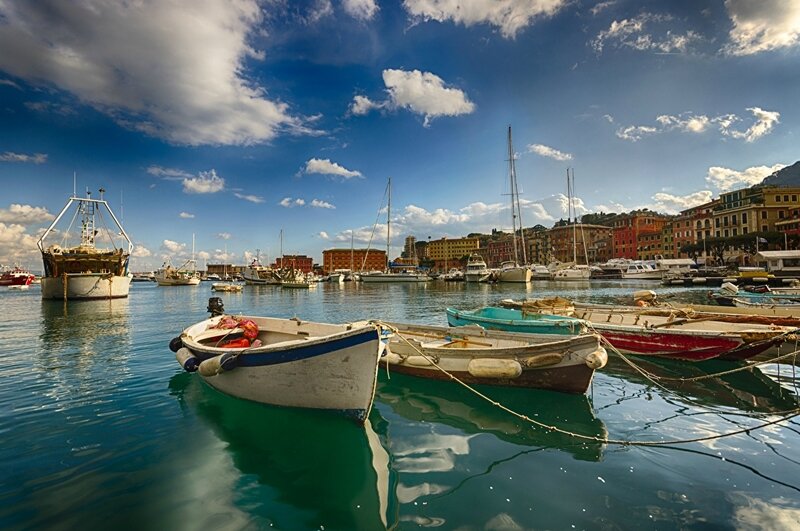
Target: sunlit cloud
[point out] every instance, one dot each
(549, 152)
(35, 158)
(326, 167)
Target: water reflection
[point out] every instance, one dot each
(450, 404)
(747, 390)
(333, 473)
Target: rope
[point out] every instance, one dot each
(604, 440)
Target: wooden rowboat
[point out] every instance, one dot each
(297, 364)
(478, 356)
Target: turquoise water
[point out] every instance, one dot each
(101, 429)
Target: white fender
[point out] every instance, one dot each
(491, 368)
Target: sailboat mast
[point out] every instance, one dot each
(571, 208)
(388, 221)
(194, 265)
(281, 248)
(512, 185)
(351, 252)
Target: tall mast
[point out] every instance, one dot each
(569, 216)
(194, 266)
(388, 221)
(281, 248)
(351, 251)
(512, 186)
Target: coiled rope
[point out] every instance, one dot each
(603, 440)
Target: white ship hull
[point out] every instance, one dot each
(394, 277)
(516, 274)
(86, 286)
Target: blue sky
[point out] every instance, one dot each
(234, 119)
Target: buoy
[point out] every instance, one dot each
(393, 358)
(491, 368)
(597, 359)
(175, 343)
(218, 364)
(542, 360)
(699, 280)
(187, 359)
(729, 288)
(418, 361)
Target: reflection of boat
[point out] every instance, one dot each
(16, 277)
(477, 356)
(749, 390)
(309, 467)
(286, 362)
(432, 403)
(84, 271)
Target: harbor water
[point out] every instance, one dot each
(101, 429)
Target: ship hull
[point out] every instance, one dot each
(86, 287)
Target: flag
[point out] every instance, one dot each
(762, 240)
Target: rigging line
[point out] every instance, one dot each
(556, 429)
(374, 226)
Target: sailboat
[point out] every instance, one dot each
(181, 276)
(84, 271)
(512, 271)
(387, 275)
(572, 271)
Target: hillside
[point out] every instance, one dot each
(788, 176)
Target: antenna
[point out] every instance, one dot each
(74, 184)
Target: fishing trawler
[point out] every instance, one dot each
(84, 271)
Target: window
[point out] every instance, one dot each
(716, 222)
(725, 221)
(794, 199)
(744, 230)
(716, 234)
(786, 199)
(744, 218)
(764, 228)
(735, 232)
(777, 199)
(780, 214)
(763, 214)
(734, 219)
(725, 233)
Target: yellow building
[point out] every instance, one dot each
(451, 250)
(755, 209)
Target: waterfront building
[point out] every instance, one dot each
(499, 251)
(596, 238)
(667, 237)
(333, 259)
(650, 245)
(539, 247)
(451, 251)
(755, 209)
(295, 261)
(409, 249)
(629, 227)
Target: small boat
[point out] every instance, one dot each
(213, 277)
(761, 296)
(640, 270)
(16, 277)
(476, 268)
(453, 275)
(512, 272)
(478, 356)
(540, 272)
(511, 320)
(230, 287)
(84, 271)
(168, 275)
(572, 272)
(392, 276)
(285, 362)
(642, 333)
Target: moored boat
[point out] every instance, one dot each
(168, 275)
(285, 362)
(83, 271)
(16, 277)
(476, 268)
(478, 356)
(642, 333)
(511, 320)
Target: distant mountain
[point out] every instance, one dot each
(788, 176)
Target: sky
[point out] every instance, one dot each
(237, 121)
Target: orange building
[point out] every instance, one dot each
(629, 227)
(295, 261)
(595, 248)
(333, 259)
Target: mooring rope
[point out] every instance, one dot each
(604, 440)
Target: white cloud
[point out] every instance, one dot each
(326, 167)
(151, 65)
(203, 255)
(672, 204)
(249, 197)
(765, 121)
(546, 151)
(207, 182)
(630, 33)
(9, 83)
(509, 16)
(224, 235)
(289, 202)
(36, 158)
(425, 93)
(140, 251)
(762, 25)
(688, 122)
(726, 179)
(317, 203)
(363, 105)
(186, 215)
(172, 246)
(602, 6)
(324, 235)
(170, 174)
(360, 9)
(16, 244)
(321, 9)
(25, 214)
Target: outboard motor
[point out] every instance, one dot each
(215, 306)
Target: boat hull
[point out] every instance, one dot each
(393, 277)
(505, 320)
(517, 274)
(337, 372)
(456, 351)
(86, 287)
